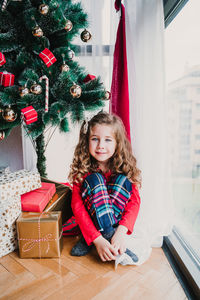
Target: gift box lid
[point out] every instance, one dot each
(35, 201)
(18, 183)
(32, 217)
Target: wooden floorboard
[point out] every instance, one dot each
(85, 278)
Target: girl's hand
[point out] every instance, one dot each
(105, 250)
(118, 240)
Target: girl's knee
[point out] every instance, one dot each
(121, 180)
(94, 179)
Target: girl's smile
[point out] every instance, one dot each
(102, 144)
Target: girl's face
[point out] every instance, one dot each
(102, 144)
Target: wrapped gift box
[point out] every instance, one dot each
(47, 56)
(63, 202)
(8, 239)
(2, 59)
(29, 115)
(10, 211)
(7, 79)
(88, 78)
(39, 234)
(18, 183)
(4, 170)
(35, 201)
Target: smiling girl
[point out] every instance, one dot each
(105, 198)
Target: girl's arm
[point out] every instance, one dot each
(82, 217)
(127, 222)
(131, 210)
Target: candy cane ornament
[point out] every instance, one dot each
(46, 92)
(4, 4)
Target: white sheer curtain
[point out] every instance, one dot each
(145, 56)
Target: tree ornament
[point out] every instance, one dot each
(88, 78)
(29, 115)
(70, 54)
(85, 36)
(75, 91)
(6, 78)
(68, 25)
(2, 135)
(47, 56)
(64, 68)
(9, 115)
(4, 4)
(36, 89)
(23, 90)
(2, 59)
(44, 9)
(107, 95)
(37, 31)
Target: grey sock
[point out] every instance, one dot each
(132, 255)
(81, 248)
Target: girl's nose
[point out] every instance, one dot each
(101, 144)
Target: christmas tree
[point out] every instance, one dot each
(41, 84)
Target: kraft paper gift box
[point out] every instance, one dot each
(39, 234)
(35, 201)
(63, 202)
(18, 183)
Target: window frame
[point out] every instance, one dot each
(183, 260)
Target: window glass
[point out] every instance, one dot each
(183, 97)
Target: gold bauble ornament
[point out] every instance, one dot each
(37, 31)
(64, 68)
(9, 115)
(85, 36)
(36, 89)
(107, 95)
(75, 91)
(44, 9)
(23, 90)
(68, 26)
(2, 135)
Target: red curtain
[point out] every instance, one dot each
(119, 87)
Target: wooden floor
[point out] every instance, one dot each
(87, 278)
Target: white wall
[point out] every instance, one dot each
(11, 150)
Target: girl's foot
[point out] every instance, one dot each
(81, 248)
(108, 237)
(132, 255)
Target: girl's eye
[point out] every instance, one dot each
(108, 140)
(94, 139)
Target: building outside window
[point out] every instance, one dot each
(183, 97)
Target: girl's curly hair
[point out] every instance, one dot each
(122, 160)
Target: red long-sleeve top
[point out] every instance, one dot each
(84, 220)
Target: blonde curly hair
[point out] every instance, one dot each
(122, 160)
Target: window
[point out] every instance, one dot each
(183, 81)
